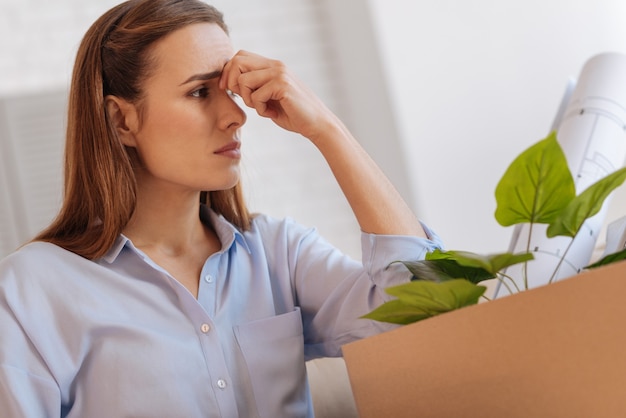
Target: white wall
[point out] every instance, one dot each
(38, 40)
(475, 83)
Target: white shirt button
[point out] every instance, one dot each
(208, 278)
(205, 328)
(221, 383)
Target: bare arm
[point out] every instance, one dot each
(267, 86)
(376, 203)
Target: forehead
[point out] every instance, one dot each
(199, 47)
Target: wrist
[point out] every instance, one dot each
(327, 132)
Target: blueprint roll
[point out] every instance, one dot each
(591, 129)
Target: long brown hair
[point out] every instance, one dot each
(100, 184)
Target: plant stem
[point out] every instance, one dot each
(558, 266)
(525, 266)
(501, 278)
(512, 281)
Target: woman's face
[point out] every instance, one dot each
(188, 139)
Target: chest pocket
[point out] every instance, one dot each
(273, 349)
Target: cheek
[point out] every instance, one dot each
(164, 119)
(174, 124)
(173, 136)
(182, 118)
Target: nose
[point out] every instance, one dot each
(231, 114)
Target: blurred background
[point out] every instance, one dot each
(443, 94)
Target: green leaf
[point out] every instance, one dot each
(536, 186)
(422, 299)
(585, 205)
(441, 265)
(609, 259)
(443, 270)
(491, 263)
(398, 312)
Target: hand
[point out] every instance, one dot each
(268, 87)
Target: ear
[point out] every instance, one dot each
(124, 117)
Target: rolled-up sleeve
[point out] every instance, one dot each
(379, 252)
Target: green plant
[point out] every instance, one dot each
(537, 188)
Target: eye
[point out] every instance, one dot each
(200, 93)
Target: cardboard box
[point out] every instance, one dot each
(554, 351)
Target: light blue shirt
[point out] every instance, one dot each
(120, 337)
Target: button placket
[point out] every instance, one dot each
(208, 285)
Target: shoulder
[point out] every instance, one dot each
(271, 228)
(38, 261)
(37, 250)
(286, 239)
(264, 229)
(265, 222)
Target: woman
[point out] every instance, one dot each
(155, 292)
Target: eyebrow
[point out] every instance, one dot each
(203, 77)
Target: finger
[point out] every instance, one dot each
(261, 82)
(229, 66)
(232, 80)
(241, 63)
(244, 62)
(249, 83)
(228, 79)
(266, 100)
(270, 84)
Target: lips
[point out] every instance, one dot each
(231, 150)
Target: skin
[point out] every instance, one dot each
(190, 115)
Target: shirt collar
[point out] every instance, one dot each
(116, 249)
(227, 233)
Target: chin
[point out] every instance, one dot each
(226, 185)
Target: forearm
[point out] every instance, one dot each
(377, 205)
